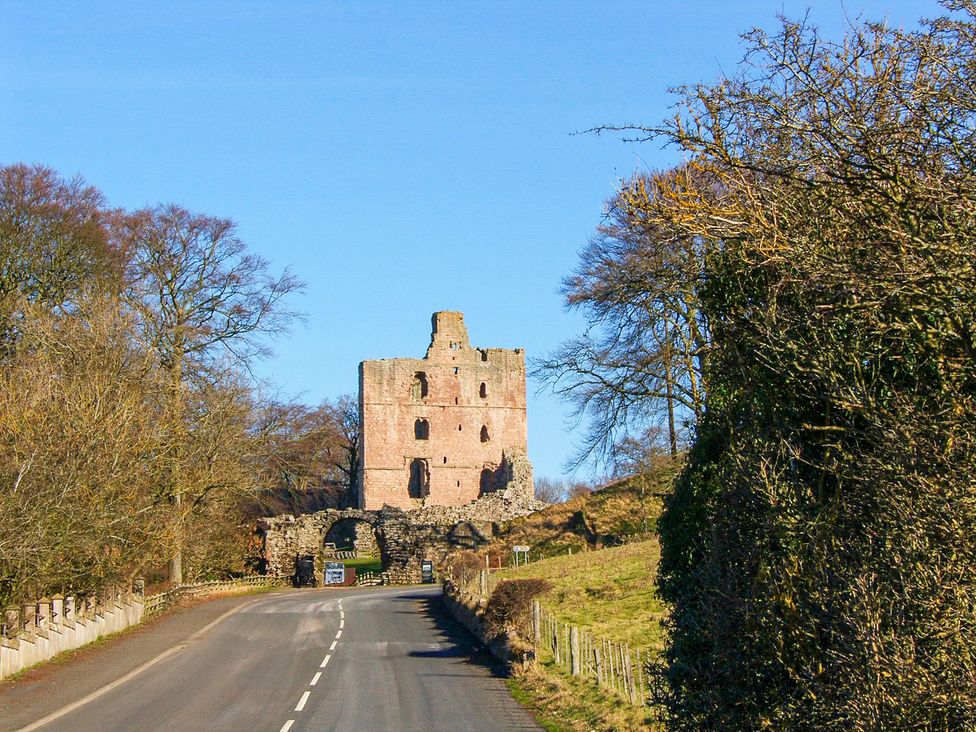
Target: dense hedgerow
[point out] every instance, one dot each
(820, 546)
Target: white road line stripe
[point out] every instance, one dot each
(287, 725)
(342, 623)
(315, 679)
(334, 644)
(301, 702)
(338, 634)
(325, 660)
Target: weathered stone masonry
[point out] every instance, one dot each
(434, 430)
(443, 458)
(404, 538)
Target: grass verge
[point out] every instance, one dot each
(562, 703)
(611, 593)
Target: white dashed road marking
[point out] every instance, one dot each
(318, 674)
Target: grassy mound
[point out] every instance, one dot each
(618, 513)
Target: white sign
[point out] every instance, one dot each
(520, 548)
(335, 573)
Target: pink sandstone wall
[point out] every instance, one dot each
(390, 403)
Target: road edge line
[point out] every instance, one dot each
(68, 708)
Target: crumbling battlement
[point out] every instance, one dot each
(435, 430)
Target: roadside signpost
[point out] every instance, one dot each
(426, 571)
(524, 551)
(335, 573)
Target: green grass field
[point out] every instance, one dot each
(610, 591)
(364, 564)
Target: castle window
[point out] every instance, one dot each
(419, 385)
(459, 428)
(445, 459)
(484, 433)
(421, 429)
(483, 390)
(487, 483)
(419, 485)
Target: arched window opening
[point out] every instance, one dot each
(419, 385)
(484, 433)
(421, 429)
(419, 485)
(483, 390)
(445, 459)
(459, 428)
(487, 483)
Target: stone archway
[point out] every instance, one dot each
(353, 534)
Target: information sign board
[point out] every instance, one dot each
(426, 570)
(335, 573)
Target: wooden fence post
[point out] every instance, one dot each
(574, 651)
(640, 678)
(555, 640)
(536, 622)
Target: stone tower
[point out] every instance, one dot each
(437, 430)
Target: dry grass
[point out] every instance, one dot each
(563, 703)
(610, 591)
(618, 513)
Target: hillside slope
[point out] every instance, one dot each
(618, 513)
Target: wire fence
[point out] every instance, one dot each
(580, 652)
(576, 650)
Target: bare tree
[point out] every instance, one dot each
(202, 300)
(550, 490)
(640, 360)
(55, 241)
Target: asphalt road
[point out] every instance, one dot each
(357, 659)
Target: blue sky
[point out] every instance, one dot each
(401, 158)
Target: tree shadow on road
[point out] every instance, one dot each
(458, 642)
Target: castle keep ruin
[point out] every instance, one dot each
(441, 430)
(442, 461)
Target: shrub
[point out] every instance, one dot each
(463, 566)
(509, 608)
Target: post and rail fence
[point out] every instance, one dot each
(614, 667)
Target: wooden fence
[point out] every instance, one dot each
(370, 579)
(343, 554)
(614, 667)
(576, 650)
(161, 600)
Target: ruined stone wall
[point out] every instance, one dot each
(472, 406)
(404, 537)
